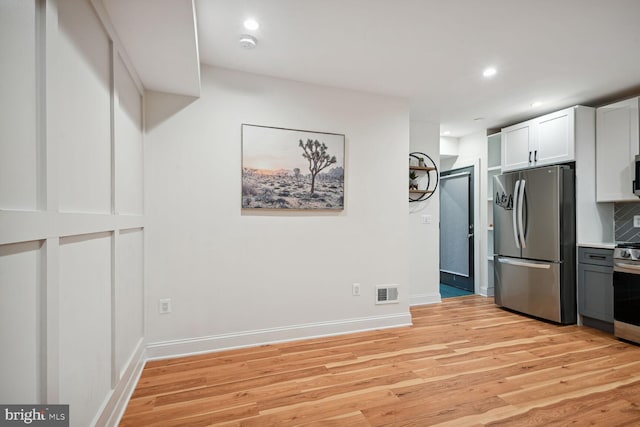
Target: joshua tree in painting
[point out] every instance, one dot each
(316, 154)
(296, 172)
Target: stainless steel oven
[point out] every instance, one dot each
(626, 292)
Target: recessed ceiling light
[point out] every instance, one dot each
(251, 24)
(489, 72)
(247, 41)
(446, 132)
(536, 104)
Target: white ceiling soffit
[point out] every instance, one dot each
(433, 52)
(160, 38)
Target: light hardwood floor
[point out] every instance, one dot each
(464, 362)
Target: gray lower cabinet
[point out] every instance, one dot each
(595, 286)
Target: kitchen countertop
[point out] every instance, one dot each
(601, 245)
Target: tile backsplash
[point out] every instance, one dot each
(623, 214)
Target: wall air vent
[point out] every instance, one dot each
(387, 294)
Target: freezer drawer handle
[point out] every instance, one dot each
(524, 264)
(515, 217)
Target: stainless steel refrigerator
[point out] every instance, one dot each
(534, 242)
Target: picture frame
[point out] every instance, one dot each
(292, 169)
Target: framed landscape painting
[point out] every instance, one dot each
(291, 169)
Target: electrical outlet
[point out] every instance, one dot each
(636, 221)
(164, 306)
(356, 289)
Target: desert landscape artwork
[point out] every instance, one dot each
(291, 169)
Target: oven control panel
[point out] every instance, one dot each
(626, 253)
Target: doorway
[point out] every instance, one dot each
(457, 228)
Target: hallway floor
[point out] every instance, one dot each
(447, 291)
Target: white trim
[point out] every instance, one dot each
(486, 291)
(454, 175)
(193, 346)
(26, 226)
(197, 44)
(424, 299)
(50, 330)
(118, 398)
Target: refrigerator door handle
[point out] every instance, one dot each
(514, 212)
(520, 209)
(524, 264)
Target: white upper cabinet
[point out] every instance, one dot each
(545, 140)
(617, 142)
(516, 141)
(555, 137)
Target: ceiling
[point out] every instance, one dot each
(433, 52)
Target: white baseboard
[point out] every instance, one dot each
(424, 299)
(118, 399)
(486, 292)
(191, 346)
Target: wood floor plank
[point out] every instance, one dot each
(312, 412)
(464, 362)
(602, 408)
(320, 393)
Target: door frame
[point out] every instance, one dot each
(452, 278)
(480, 232)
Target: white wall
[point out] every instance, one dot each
(449, 151)
(20, 262)
(424, 239)
(594, 221)
(243, 277)
(128, 150)
(18, 162)
(79, 92)
(19, 316)
(85, 324)
(70, 263)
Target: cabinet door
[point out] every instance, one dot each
(595, 291)
(554, 138)
(616, 148)
(515, 146)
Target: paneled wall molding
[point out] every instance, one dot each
(74, 186)
(49, 330)
(44, 176)
(26, 226)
